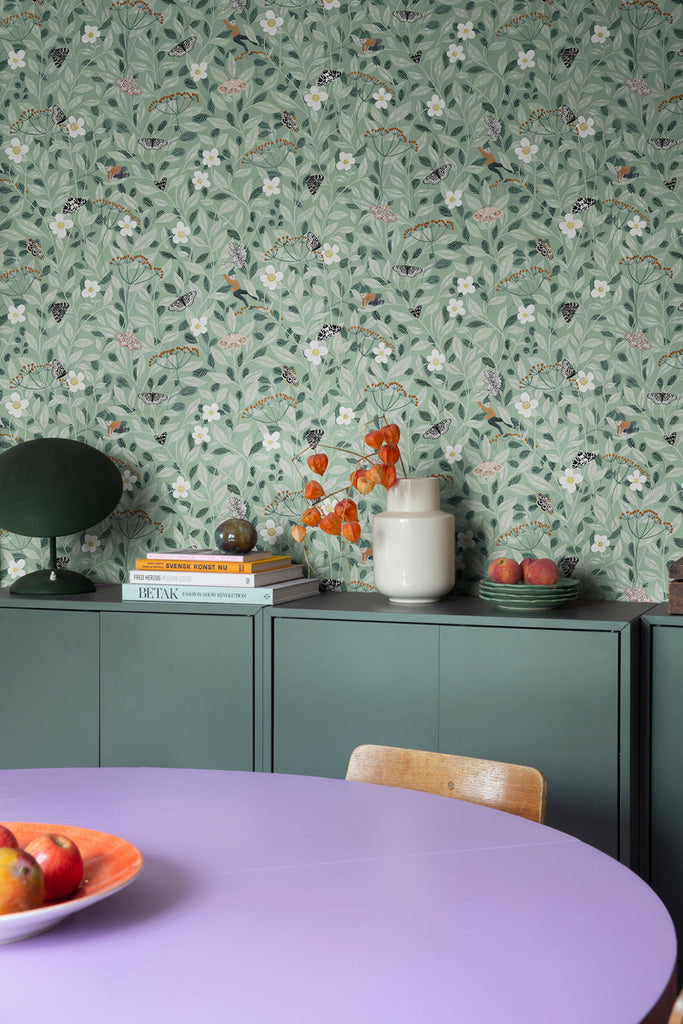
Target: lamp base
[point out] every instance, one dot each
(46, 582)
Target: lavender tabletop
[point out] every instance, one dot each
(279, 899)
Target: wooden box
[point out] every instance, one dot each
(676, 588)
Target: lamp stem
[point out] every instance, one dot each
(53, 553)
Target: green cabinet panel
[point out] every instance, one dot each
(48, 688)
(177, 690)
(338, 684)
(545, 697)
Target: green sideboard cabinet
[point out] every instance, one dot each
(663, 752)
(557, 690)
(93, 680)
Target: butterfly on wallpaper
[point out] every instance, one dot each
(289, 121)
(434, 177)
(567, 370)
(670, 438)
(406, 270)
(182, 302)
(437, 429)
(583, 203)
(416, 57)
(161, 183)
(161, 438)
(328, 76)
(679, 307)
(544, 503)
(662, 397)
(583, 459)
(493, 382)
(661, 143)
(545, 249)
(313, 182)
(312, 241)
(567, 114)
(73, 203)
(671, 184)
(35, 248)
(407, 16)
(59, 55)
(328, 331)
(568, 311)
(58, 310)
(238, 254)
(152, 397)
(568, 55)
(41, 3)
(57, 369)
(492, 127)
(152, 143)
(327, 584)
(62, 561)
(58, 115)
(184, 46)
(289, 376)
(314, 437)
(415, 311)
(568, 564)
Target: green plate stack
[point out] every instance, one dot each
(523, 597)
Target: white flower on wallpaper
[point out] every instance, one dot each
(345, 416)
(15, 314)
(315, 98)
(60, 225)
(382, 352)
(271, 441)
(465, 539)
(198, 324)
(271, 531)
(198, 71)
(345, 161)
(436, 361)
(271, 278)
(466, 285)
(315, 354)
(15, 59)
(211, 413)
(210, 158)
(526, 150)
(570, 479)
(570, 224)
(16, 568)
(330, 253)
(525, 314)
(181, 488)
(90, 34)
(525, 405)
(600, 543)
(271, 22)
(127, 226)
(584, 127)
(636, 225)
(636, 479)
(75, 382)
(75, 127)
(600, 34)
(16, 406)
(90, 288)
(90, 542)
(181, 233)
(435, 107)
(200, 180)
(525, 59)
(271, 186)
(382, 98)
(584, 381)
(16, 150)
(453, 453)
(599, 289)
(453, 199)
(455, 52)
(200, 435)
(466, 30)
(455, 307)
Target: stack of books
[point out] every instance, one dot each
(192, 574)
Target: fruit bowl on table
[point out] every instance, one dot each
(109, 865)
(524, 597)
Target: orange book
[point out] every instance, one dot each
(171, 565)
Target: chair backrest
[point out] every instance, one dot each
(676, 1016)
(515, 788)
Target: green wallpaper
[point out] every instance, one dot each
(226, 226)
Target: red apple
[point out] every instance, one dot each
(524, 564)
(21, 881)
(505, 570)
(7, 838)
(61, 863)
(542, 571)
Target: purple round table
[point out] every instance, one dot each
(297, 900)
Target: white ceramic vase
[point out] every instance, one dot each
(413, 544)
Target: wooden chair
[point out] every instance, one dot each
(676, 1016)
(514, 788)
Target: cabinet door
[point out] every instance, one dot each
(49, 690)
(666, 809)
(177, 690)
(543, 697)
(337, 684)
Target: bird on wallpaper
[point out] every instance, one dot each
(239, 37)
(238, 291)
(371, 44)
(371, 299)
(492, 163)
(626, 172)
(116, 172)
(491, 418)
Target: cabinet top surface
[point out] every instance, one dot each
(450, 610)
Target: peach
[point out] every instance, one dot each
(543, 572)
(505, 570)
(525, 563)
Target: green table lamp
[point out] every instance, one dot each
(50, 487)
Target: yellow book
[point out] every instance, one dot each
(206, 565)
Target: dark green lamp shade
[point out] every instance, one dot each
(50, 487)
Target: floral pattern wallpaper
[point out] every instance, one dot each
(237, 234)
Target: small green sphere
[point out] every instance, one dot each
(236, 536)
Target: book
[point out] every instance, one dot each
(211, 565)
(212, 555)
(278, 593)
(216, 579)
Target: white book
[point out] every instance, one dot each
(211, 555)
(216, 579)
(279, 593)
